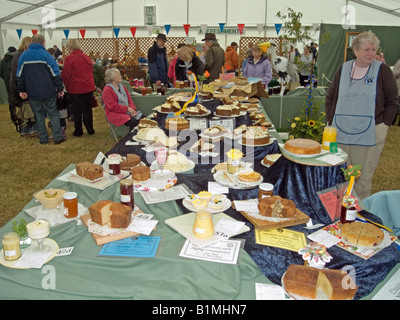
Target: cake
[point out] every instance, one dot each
(249, 176)
(270, 159)
(277, 207)
(176, 161)
(361, 234)
(132, 160)
(147, 123)
(303, 282)
(168, 142)
(176, 124)
(302, 146)
(150, 134)
(227, 110)
(170, 107)
(240, 130)
(89, 170)
(206, 95)
(111, 214)
(196, 110)
(215, 131)
(201, 145)
(255, 136)
(141, 173)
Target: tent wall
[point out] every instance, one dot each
(332, 46)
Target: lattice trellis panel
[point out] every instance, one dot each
(245, 42)
(135, 47)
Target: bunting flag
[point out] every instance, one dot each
(50, 32)
(221, 27)
(150, 29)
(240, 27)
(116, 32)
(167, 28)
(19, 32)
(82, 32)
(260, 27)
(186, 27)
(34, 31)
(278, 27)
(133, 31)
(66, 33)
(99, 33)
(203, 28)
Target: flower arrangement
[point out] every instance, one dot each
(204, 77)
(352, 171)
(310, 123)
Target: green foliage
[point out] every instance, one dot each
(19, 227)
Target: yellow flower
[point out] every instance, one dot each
(291, 137)
(293, 125)
(311, 123)
(297, 119)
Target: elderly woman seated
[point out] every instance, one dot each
(119, 106)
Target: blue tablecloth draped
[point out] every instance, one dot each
(293, 181)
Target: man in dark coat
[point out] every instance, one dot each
(158, 61)
(215, 57)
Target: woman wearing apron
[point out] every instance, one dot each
(362, 103)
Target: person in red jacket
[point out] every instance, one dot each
(77, 75)
(119, 106)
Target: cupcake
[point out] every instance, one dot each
(216, 202)
(199, 204)
(205, 195)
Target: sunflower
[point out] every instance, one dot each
(311, 123)
(293, 125)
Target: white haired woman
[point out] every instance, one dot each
(362, 103)
(119, 106)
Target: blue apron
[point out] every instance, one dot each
(355, 109)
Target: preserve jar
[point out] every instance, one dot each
(328, 136)
(234, 160)
(203, 226)
(265, 190)
(348, 210)
(114, 161)
(126, 191)
(11, 248)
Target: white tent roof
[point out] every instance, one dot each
(106, 14)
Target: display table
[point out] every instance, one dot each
(280, 109)
(85, 275)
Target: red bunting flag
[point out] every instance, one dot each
(133, 31)
(82, 31)
(34, 31)
(240, 26)
(186, 27)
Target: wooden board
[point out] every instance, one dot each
(266, 225)
(100, 240)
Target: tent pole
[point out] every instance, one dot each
(265, 19)
(1, 41)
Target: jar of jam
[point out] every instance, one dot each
(348, 210)
(234, 160)
(265, 190)
(114, 161)
(126, 191)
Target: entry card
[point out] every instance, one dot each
(281, 238)
(144, 247)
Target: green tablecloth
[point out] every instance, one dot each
(281, 109)
(85, 275)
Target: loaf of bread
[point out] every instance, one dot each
(303, 282)
(277, 207)
(111, 214)
(89, 170)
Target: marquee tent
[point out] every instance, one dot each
(229, 19)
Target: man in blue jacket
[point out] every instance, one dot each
(158, 61)
(39, 80)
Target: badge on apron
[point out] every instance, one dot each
(370, 80)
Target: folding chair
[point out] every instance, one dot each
(116, 132)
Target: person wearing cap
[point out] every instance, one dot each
(215, 57)
(158, 61)
(5, 66)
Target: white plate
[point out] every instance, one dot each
(231, 181)
(49, 242)
(271, 141)
(226, 204)
(154, 184)
(323, 151)
(197, 115)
